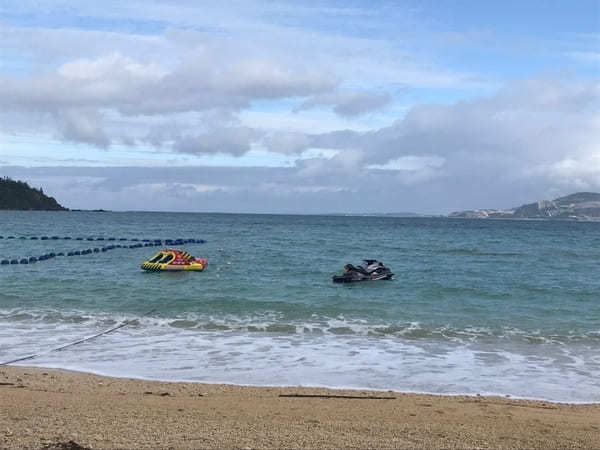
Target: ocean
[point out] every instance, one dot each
(491, 307)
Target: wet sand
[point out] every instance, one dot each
(43, 408)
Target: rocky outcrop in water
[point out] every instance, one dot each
(579, 206)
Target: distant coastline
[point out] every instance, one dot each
(581, 206)
(18, 195)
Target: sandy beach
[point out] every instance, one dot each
(43, 408)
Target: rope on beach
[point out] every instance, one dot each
(353, 397)
(71, 344)
(138, 243)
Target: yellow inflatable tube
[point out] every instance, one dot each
(173, 259)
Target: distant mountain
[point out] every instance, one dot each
(579, 206)
(19, 195)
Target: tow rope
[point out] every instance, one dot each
(71, 344)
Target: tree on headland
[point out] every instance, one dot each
(19, 195)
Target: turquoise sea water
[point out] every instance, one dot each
(490, 307)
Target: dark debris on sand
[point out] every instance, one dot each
(71, 445)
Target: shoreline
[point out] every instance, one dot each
(53, 408)
(302, 386)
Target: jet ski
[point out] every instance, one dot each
(373, 270)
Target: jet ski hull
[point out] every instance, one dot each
(351, 279)
(373, 271)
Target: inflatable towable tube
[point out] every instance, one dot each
(173, 259)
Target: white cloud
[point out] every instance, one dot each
(82, 125)
(230, 140)
(113, 65)
(179, 83)
(125, 87)
(412, 163)
(287, 142)
(348, 103)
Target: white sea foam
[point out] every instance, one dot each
(155, 349)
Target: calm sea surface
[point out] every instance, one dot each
(490, 307)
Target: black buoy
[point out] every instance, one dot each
(33, 259)
(4, 262)
(24, 261)
(14, 261)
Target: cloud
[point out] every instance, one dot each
(125, 88)
(180, 82)
(287, 142)
(533, 137)
(160, 61)
(530, 121)
(114, 66)
(82, 125)
(221, 189)
(348, 104)
(231, 140)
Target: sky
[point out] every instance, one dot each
(301, 107)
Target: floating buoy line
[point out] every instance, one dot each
(113, 243)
